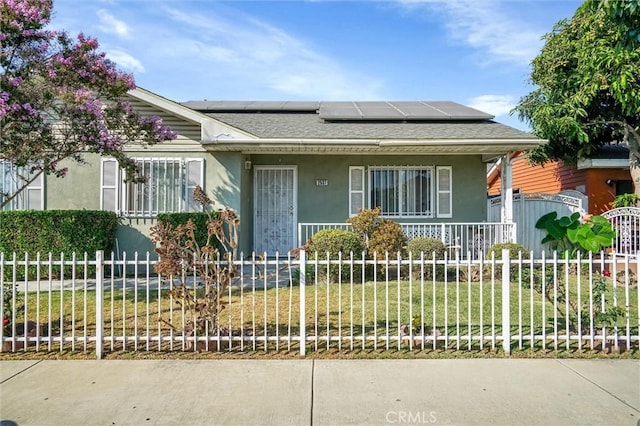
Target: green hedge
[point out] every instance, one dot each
(57, 231)
(200, 221)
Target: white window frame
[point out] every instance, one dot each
(190, 173)
(402, 215)
(441, 196)
(31, 197)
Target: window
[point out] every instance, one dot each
(168, 187)
(624, 187)
(402, 191)
(11, 178)
(409, 191)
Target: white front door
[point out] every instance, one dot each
(275, 209)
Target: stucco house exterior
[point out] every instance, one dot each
(281, 164)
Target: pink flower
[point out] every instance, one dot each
(5, 321)
(606, 273)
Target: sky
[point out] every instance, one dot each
(474, 52)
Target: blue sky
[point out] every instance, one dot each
(475, 52)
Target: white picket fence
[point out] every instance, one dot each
(311, 303)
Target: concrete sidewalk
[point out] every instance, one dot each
(321, 392)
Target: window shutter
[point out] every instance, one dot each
(194, 176)
(109, 185)
(356, 189)
(443, 184)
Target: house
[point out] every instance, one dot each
(599, 178)
(282, 164)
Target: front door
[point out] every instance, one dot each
(275, 213)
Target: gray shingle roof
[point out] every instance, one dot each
(294, 125)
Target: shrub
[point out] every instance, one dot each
(199, 219)
(428, 246)
(56, 231)
(334, 241)
(496, 251)
(179, 251)
(626, 200)
(386, 237)
(365, 222)
(513, 248)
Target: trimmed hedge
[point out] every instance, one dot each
(57, 231)
(427, 245)
(199, 219)
(336, 241)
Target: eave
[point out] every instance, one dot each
(488, 148)
(603, 163)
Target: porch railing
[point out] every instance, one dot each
(472, 239)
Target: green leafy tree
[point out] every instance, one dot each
(61, 97)
(588, 85)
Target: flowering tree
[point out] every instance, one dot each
(60, 97)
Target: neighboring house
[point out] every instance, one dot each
(278, 164)
(600, 178)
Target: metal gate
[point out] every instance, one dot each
(275, 209)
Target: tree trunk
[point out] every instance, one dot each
(635, 177)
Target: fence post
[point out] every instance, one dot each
(303, 313)
(99, 302)
(506, 302)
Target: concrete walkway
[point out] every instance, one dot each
(321, 392)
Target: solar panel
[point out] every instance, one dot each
(354, 111)
(400, 110)
(458, 111)
(339, 111)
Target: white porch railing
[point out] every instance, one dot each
(465, 238)
(311, 303)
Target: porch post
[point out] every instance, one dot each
(506, 189)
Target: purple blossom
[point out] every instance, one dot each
(15, 81)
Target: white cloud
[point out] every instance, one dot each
(125, 60)
(111, 25)
(263, 55)
(488, 27)
(498, 105)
